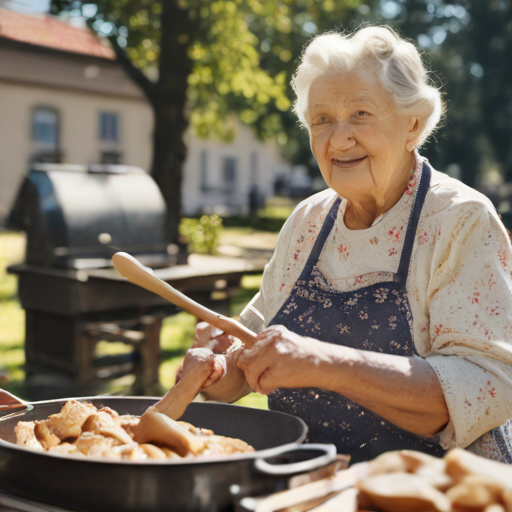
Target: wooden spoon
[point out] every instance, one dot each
(143, 276)
(158, 424)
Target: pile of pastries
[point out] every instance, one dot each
(412, 481)
(80, 429)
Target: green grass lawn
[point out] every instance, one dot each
(176, 337)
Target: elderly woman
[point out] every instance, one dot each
(385, 314)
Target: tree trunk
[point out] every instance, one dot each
(170, 122)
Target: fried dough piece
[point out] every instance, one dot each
(172, 455)
(130, 451)
(128, 422)
(220, 445)
(45, 436)
(155, 427)
(26, 436)
(94, 445)
(153, 452)
(110, 411)
(461, 463)
(65, 449)
(195, 430)
(475, 492)
(104, 424)
(402, 492)
(69, 421)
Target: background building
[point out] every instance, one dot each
(64, 98)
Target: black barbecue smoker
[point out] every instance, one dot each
(75, 218)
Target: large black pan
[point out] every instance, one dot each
(96, 485)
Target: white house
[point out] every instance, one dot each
(63, 97)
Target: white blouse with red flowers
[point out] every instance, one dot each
(459, 287)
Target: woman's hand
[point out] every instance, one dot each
(281, 359)
(206, 334)
(228, 385)
(202, 367)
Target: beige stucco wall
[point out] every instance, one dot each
(79, 130)
(79, 141)
(245, 144)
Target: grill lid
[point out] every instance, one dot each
(77, 216)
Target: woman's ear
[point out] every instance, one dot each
(415, 128)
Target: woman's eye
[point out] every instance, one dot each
(321, 120)
(362, 113)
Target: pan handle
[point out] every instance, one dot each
(11, 404)
(327, 457)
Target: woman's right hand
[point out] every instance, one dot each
(231, 386)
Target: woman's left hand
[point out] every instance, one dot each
(281, 359)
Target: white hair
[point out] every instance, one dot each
(399, 69)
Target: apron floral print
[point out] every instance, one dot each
(377, 318)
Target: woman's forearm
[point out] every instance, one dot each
(403, 390)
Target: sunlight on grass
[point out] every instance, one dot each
(12, 325)
(168, 371)
(177, 333)
(12, 247)
(276, 212)
(254, 400)
(251, 285)
(252, 282)
(110, 348)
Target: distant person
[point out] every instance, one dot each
(254, 200)
(385, 314)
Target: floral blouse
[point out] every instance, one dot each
(459, 287)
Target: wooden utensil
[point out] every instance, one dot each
(143, 276)
(309, 496)
(158, 423)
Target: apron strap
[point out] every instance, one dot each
(412, 226)
(321, 238)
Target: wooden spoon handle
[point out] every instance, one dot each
(142, 276)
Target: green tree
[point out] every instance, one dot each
(469, 45)
(200, 62)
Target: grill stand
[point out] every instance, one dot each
(69, 311)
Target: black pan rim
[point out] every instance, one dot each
(259, 454)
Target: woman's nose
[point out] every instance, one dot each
(342, 137)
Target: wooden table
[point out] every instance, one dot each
(69, 311)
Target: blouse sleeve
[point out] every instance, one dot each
(255, 315)
(470, 303)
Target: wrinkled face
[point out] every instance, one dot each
(358, 136)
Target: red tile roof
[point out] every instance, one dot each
(44, 30)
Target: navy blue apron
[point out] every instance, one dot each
(376, 318)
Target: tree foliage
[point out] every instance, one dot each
(242, 54)
(469, 46)
(238, 56)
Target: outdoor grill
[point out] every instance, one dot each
(75, 218)
(78, 217)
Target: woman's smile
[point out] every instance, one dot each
(348, 163)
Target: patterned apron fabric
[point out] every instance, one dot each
(375, 318)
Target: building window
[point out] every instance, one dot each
(109, 127)
(204, 170)
(45, 128)
(230, 172)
